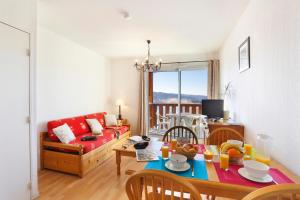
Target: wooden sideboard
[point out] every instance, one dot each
(229, 124)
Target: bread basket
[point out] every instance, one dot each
(188, 150)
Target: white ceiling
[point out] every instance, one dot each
(174, 26)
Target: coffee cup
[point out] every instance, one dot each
(256, 169)
(178, 160)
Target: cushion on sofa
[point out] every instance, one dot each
(108, 135)
(95, 126)
(121, 129)
(110, 120)
(98, 116)
(78, 125)
(91, 145)
(64, 133)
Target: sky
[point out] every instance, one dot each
(192, 82)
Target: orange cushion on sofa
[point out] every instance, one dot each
(78, 125)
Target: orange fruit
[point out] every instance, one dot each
(234, 153)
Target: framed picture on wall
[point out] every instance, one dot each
(244, 55)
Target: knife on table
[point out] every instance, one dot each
(193, 172)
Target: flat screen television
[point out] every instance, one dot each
(213, 108)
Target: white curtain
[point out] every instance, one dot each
(143, 105)
(213, 79)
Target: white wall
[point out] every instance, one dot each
(266, 97)
(125, 83)
(19, 13)
(72, 80)
(125, 86)
(22, 14)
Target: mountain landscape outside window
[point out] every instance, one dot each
(193, 86)
(165, 87)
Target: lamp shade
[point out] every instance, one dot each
(120, 102)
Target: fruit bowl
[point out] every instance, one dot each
(188, 150)
(236, 160)
(234, 151)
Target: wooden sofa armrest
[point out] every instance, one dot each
(74, 147)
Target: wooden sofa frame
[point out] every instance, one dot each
(76, 163)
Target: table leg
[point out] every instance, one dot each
(118, 162)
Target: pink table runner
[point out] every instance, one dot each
(232, 176)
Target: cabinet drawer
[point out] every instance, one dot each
(94, 158)
(61, 162)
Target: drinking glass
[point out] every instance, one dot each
(248, 149)
(208, 156)
(165, 152)
(173, 143)
(224, 161)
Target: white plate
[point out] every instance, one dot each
(243, 172)
(170, 166)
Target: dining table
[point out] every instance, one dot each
(226, 184)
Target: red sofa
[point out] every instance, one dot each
(79, 157)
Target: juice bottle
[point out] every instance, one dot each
(263, 148)
(262, 159)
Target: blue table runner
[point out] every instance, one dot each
(200, 171)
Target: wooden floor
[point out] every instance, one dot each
(101, 183)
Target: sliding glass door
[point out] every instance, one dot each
(175, 94)
(164, 102)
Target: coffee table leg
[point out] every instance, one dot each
(118, 161)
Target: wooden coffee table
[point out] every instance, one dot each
(129, 151)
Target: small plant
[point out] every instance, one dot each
(227, 89)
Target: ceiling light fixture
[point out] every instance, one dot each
(147, 65)
(125, 14)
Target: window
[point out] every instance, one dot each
(192, 90)
(171, 90)
(194, 85)
(165, 87)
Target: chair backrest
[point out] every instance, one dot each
(180, 131)
(156, 185)
(220, 135)
(188, 121)
(278, 192)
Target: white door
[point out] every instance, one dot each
(14, 110)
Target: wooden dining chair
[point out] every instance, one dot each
(276, 192)
(220, 135)
(180, 132)
(159, 185)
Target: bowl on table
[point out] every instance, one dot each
(256, 169)
(141, 145)
(178, 160)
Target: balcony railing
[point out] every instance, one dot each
(164, 109)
